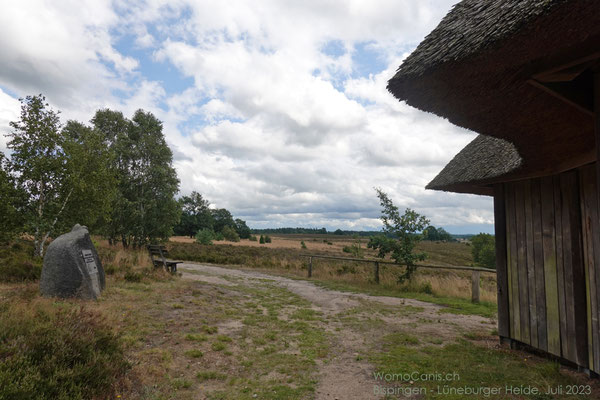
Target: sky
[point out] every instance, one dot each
(274, 109)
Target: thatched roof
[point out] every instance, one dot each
(469, 28)
(477, 165)
(477, 67)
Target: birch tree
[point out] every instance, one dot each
(37, 162)
(144, 209)
(63, 175)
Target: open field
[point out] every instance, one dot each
(224, 332)
(285, 256)
(217, 332)
(440, 253)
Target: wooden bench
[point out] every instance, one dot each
(159, 254)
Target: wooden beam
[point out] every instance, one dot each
(572, 93)
(501, 264)
(596, 91)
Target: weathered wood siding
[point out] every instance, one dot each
(591, 246)
(550, 299)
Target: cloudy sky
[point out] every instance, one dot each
(276, 110)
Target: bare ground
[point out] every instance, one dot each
(356, 323)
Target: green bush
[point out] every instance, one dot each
(17, 263)
(484, 250)
(354, 249)
(262, 239)
(205, 236)
(302, 244)
(267, 239)
(252, 238)
(57, 351)
(230, 234)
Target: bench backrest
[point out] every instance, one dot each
(159, 251)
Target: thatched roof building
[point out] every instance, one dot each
(526, 74)
(499, 68)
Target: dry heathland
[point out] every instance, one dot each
(230, 332)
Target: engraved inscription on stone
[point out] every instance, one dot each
(90, 262)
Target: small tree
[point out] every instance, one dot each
(405, 234)
(483, 248)
(267, 239)
(230, 234)
(262, 239)
(205, 236)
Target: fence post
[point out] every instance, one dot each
(475, 287)
(309, 267)
(377, 272)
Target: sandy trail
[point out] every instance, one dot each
(348, 375)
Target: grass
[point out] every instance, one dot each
(196, 338)
(195, 353)
(160, 337)
(442, 370)
(453, 305)
(293, 262)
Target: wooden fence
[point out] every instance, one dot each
(475, 276)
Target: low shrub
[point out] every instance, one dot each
(57, 351)
(230, 234)
(131, 276)
(205, 236)
(252, 238)
(17, 263)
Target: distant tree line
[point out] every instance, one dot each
(290, 231)
(206, 224)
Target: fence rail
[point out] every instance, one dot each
(475, 276)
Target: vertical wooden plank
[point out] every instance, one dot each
(595, 267)
(376, 272)
(596, 215)
(522, 261)
(577, 286)
(538, 254)
(515, 326)
(588, 203)
(573, 269)
(550, 268)
(501, 260)
(531, 289)
(569, 315)
(558, 220)
(309, 267)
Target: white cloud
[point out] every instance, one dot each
(272, 127)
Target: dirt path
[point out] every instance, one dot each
(356, 323)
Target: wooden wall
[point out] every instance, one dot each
(546, 264)
(591, 246)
